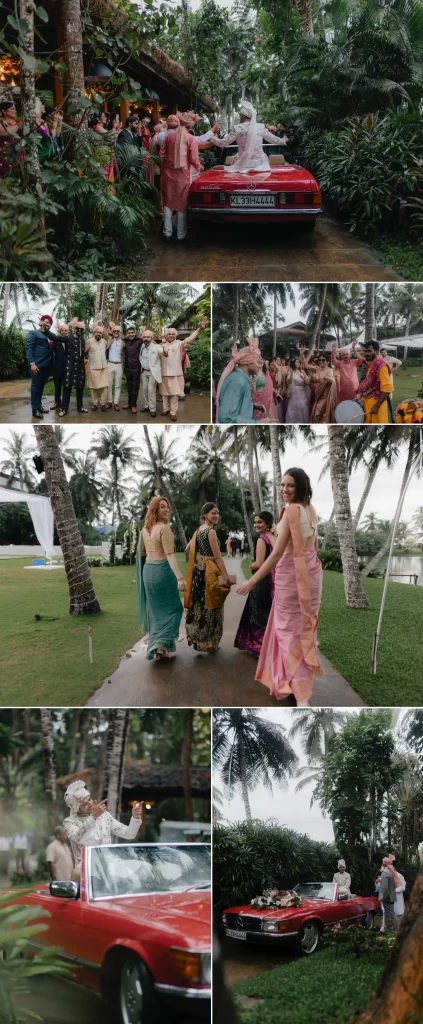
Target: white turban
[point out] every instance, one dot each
(341, 864)
(74, 794)
(248, 110)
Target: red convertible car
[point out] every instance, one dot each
(284, 194)
(137, 928)
(321, 904)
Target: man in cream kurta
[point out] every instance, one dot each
(172, 384)
(90, 824)
(151, 373)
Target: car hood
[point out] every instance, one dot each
(170, 907)
(272, 913)
(286, 176)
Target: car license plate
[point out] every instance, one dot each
(231, 934)
(252, 200)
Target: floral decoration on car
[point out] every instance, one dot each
(276, 899)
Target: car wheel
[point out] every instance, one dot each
(308, 938)
(369, 920)
(138, 1003)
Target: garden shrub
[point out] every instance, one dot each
(13, 362)
(199, 355)
(354, 940)
(370, 170)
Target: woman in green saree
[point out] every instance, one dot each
(159, 582)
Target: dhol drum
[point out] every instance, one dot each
(350, 411)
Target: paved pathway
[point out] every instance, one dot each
(223, 679)
(267, 253)
(15, 407)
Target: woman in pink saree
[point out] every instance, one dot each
(262, 391)
(289, 661)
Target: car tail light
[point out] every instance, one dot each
(317, 198)
(282, 198)
(187, 964)
(222, 197)
(299, 197)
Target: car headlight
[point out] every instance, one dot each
(270, 926)
(206, 968)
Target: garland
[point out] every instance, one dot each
(276, 899)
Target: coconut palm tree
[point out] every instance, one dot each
(235, 452)
(249, 751)
(158, 472)
(369, 313)
(209, 462)
(16, 466)
(116, 759)
(81, 591)
(412, 437)
(113, 446)
(49, 766)
(316, 728)
(86, 488)
(417, 520)
(354, 593)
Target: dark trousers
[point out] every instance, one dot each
(20, 859)
(38, 383)
(133, 378)
(58, 375)
(66, 398)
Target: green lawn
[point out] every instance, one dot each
(407, 383)
(46, 662)
(346, 636)
(324, 989)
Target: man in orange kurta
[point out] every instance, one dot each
(179, 153)
(376, 386)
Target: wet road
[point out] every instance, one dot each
(15, 407)
(267, 253)
(223, 679)
(58, 1001)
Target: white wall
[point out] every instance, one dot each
(35, 550)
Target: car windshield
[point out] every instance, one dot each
(316, 890)
(141, 869)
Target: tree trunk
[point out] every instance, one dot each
(369, 313)
(244, 785)
(363, 499)
(276, 464)
(98, 302)
(97, 783)
(242, 493)
(253, 489)
(72, 751)
(328, 529)
(259, 490)
(354, 593)
(49, 766)
(83, 743)
(117, 302)
(407, 331)
(6, 300)
(397, 999)
(31, 165)
(186, 761)
(304, 11)
(73, 75)
(275, 323)
(68, 300)
(317, 327)
(165, 491)
(374, 562)
(81, 591)
(236, 314)
(117, 761)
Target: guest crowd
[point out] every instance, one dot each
(312, 387)
(153, 367)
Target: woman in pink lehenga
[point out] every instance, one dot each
(289, 661)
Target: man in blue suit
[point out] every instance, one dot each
(40, 359)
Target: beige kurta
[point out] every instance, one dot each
(98, 373)
(172, 373)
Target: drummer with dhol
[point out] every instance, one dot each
(376, 387)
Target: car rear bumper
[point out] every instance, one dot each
(229, 214)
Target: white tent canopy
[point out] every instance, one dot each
(41, 514)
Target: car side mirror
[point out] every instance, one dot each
(68, 890)
(343, 896)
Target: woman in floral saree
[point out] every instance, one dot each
(288, 661)
(204, 596)
(159, 582)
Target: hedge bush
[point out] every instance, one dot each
(13, 362)
(249, 857)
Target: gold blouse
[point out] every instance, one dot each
(157, 543)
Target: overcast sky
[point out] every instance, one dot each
(285, 806)
(382, 499)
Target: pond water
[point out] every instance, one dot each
(404, 564)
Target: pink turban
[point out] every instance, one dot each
(186, 120)
(46, 316)
(173, 121)
(240, 357)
